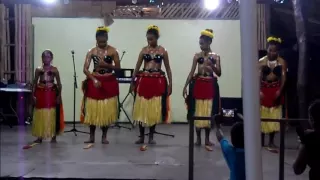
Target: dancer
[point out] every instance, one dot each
(204, 99)
(101, 88)
(150, 86)
(48, 119)
(273, 77)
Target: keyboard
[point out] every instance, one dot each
(124, 80)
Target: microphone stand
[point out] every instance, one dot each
(121, 109)
(75, 86)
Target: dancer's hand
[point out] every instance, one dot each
(132, 87)
(185, 93)
(96, 83)
(34, 99)
(278, 93)
(261, 95)
(169, 90)
(58, 99)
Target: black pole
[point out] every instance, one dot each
(191, 147)
(75, 86)
(281, 156)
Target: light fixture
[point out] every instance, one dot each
(134, 1)
(211, 4)
(50, 1)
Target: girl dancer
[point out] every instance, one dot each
(203, 99)
(273, 77)
(48, 120)
(101, 88)
(150, 86)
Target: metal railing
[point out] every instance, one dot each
(282, 121)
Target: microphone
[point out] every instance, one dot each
(72, 52)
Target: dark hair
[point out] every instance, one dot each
(47, 51)
(100, 33)
(237, 135)
(314, 112)
(207, 38)
(154, 32)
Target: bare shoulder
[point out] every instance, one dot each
(162, 49)
(38, 69)
(112, 49)
(263, 60)
(54, 68)
(92, 50)
(215, 55)
(281, 60)
(197, 55)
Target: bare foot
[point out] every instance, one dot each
(89, 141)
(208, 143)
(104, 141)
(198, 142)
(152, 142)
(140, 141)
(39, 140)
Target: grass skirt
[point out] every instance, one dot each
(203, 100)
(100, 105)
(271, 108)
(151, 105)
(48, 116)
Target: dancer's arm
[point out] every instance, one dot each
(87, 65)
(217, 66)
(168, 69)
(300, 164)
(57, 76)
(35, 81)
(137, 68)
(283, 74)
(192, 71)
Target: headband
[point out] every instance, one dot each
(278, 40)
(103, 28)
(207, 33)
(154, 27)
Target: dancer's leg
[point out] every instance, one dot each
(92, 134)
(198, 133)
(141, 138)
(104, 135)
(207, 137)
(151, 134)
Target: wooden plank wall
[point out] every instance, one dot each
(79, 8)
(2, 40)
(262, 21)
(23, 42)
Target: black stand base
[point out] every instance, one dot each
(75, 131)
(121, 109)
(163, 134)
(119, 126)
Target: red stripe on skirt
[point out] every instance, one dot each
(269, 91)
(149, 85)
(46, 97)
(203, 88)
(109, 88)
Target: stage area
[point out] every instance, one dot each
(122, 159)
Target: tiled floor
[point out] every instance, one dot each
(122, 159)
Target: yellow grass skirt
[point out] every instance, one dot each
(101, 112)
(147, 111)
(44, 122)
(270, 113)
(203, 108)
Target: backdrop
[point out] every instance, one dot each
(179, 37)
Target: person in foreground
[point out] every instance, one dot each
(234, 154)
(150, 85)
(310, 146)
(273, 70)
(101, 88)
(48, 119)
(203, 99)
